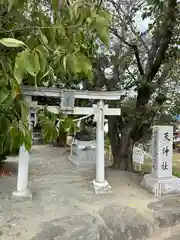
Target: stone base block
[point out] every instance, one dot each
(161, 186)
(101, 188)
(86, 165)
(22, 196)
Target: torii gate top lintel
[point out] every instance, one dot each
(84, 94)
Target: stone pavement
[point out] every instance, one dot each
(64, 206)
(171, 233)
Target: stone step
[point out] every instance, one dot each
(37, 134)
(37, 141)
(82, 165)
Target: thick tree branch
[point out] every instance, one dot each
(161, 41)
(166, 69)
(132, 46)
(136, 52)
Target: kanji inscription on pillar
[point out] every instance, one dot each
(163, 145)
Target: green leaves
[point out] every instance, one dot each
(104, 36)
(47, 121)
(42, 58)
(76, 6)
(4, 93)
(59, 41)
(20, 65)
(28, 140)
(100, 23)
(43, 39)
(19, 134)
(79, 63)
(32, 64)
(12, 42)
(24, 110)
(85, 63)
(28, 62)
(14, 126)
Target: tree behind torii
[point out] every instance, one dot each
(142, 63)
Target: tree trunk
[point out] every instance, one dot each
(126, 151)
(122, 146)
(114, 137)
(123, 157)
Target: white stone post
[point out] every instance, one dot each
(100, 144)
(22, 179)
(99, 184)
(161, 181)
(162, 151)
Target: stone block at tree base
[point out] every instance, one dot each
(161, 186)
(22, 196)
(101, 188)
(83, 154)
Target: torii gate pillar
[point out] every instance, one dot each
(100, 185)
(22, 192)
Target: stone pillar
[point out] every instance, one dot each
(22, 191)
(100, 144)
(22, 181)
(162, 151)
(100, 184)
(161, 181)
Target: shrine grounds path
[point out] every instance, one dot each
(64, 206)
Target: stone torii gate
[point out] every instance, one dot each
(68, 97)
(99, 110)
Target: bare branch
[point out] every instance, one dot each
(114, 31)
(132, 75)
(139, 36)
(133, 30)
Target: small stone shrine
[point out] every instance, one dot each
(161, 181)
(83, 154)
(83, 151)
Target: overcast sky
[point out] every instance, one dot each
(142, 25)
